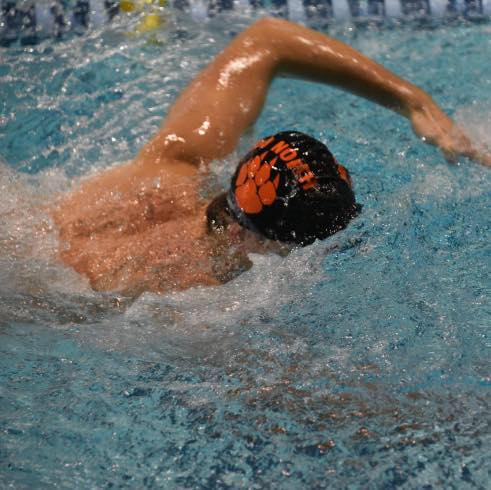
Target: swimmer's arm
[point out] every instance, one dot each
(225, 99)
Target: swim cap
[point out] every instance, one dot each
(289, 187)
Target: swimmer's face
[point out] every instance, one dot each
(227, 232)
(231, 245)
(245, 241)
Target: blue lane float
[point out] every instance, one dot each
(31, 21)
(28, 21)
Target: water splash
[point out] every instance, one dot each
(361, 358)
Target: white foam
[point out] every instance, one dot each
(28, 239)
(476, 121)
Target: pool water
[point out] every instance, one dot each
(362, 361)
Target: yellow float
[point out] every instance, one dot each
(153, 17)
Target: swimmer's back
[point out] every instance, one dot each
(140, 226)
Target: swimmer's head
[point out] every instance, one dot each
(290, 188)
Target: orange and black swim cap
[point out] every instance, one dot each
(289, 187)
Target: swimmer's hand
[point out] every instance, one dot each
(433, 126)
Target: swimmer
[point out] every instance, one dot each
(146, 226)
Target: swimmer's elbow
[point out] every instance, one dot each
(265, 25)
(271, 33)
(265, 22)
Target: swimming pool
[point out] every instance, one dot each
(359, 362)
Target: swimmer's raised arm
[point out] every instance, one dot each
(208, 118)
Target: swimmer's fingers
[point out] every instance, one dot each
(433, 126)
(454, 144)
(446, 145)
(477, 156)
(462, 146)
(451, 139)
(485, 159)
(482, 156)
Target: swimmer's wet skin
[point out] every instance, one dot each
(144, 226)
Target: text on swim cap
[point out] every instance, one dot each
(300, 169)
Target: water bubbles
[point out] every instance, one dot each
(349, 350)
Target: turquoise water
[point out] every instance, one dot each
(359, 362)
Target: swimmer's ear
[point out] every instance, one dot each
(218, 214)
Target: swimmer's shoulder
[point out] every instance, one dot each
(134, 175)
(123, 184)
